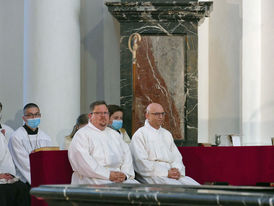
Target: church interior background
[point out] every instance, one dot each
(65, 54)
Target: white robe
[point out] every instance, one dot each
(6, 163)
(21, 145)
(8, 130)
(93, 154)
(154, 154)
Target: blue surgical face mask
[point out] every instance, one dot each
(117, 124)
(33, 123)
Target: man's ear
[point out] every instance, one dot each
(146, 115)
(89, 115)
(24, 118)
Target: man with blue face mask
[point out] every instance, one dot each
(116, 121)
(26, 139)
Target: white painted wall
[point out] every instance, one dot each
(225, 32)
(267, 69)
(240, 71)
(251, 73)
(91, 24)
(11, 60)
(100, 54)
(111, 57)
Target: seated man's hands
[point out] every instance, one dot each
(174, 173)
(6, 176)
(117, 177)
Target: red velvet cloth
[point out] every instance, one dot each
(246, 165)
(49, 167)
(234, 165)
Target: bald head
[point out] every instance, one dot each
(155, 115)
(154, 106)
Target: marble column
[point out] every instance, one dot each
(52, 63)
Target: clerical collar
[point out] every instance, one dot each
(29, 131)
(148, 125)
(92, 126)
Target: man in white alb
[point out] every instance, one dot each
(7, 169)
(26, 139)
(12, 191)
(156, 158)
(97, 153)
(5, 129)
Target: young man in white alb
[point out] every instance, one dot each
(26, 139)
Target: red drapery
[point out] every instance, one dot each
(246, 165)
(234, 165)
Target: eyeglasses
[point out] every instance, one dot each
(33, 115)
(158, 113)
(100, 113)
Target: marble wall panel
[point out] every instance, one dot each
(160, 78)
(164, 54)
(167, 70)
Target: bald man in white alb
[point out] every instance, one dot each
(155, 156)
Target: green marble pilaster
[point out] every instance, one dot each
(191, 90)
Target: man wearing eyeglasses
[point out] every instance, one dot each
(97, 153)
(26, 139)
(155, 156)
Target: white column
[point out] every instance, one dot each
(251, 73)
(225, 32)
(52, 63)
(267, 69)
(203, 81)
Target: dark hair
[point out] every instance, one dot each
(82, 119)
(30, 105)
(1, 105)
(96, 103)
(112, 108)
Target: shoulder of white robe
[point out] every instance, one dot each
(19, 134)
